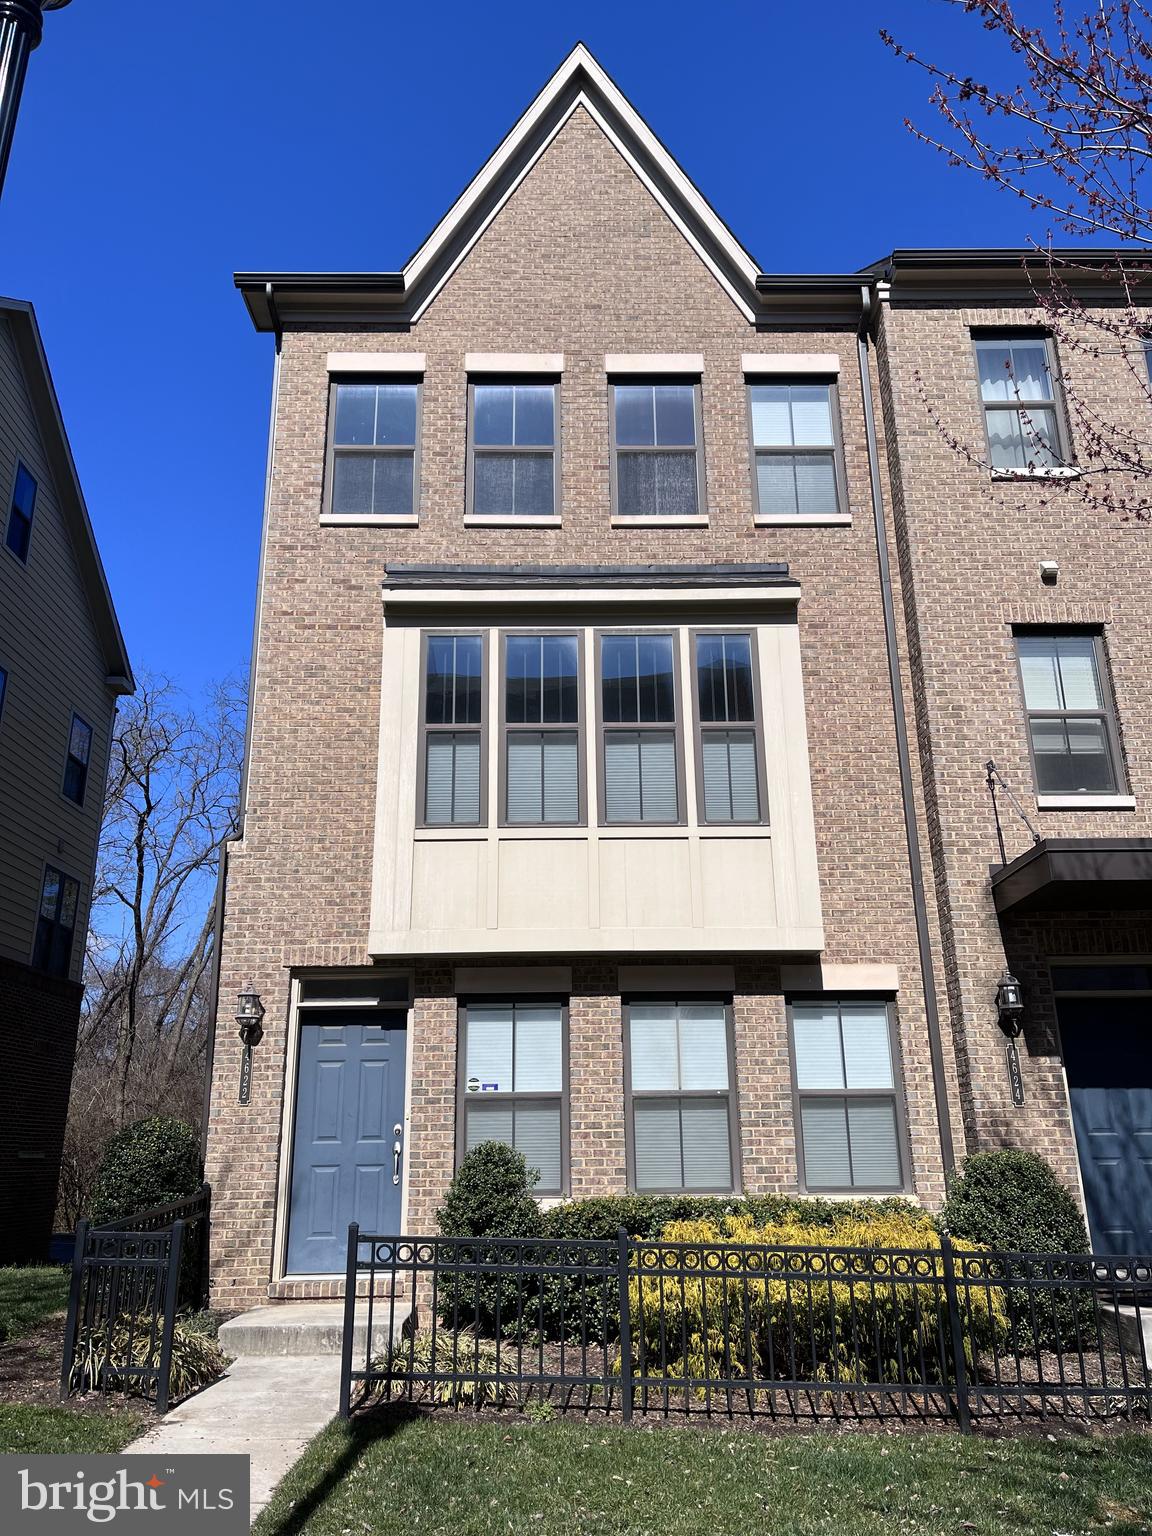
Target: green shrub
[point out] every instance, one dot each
(490, 1197)
(861, 1325)
(131, 1341)
(423, 1354)
(646, 1216)
(1012, 1202)
(151, 1162)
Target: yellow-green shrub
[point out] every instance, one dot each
(724, 1309)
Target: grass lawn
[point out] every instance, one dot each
(32, 1430)
(29, 1297)
(473, 1478)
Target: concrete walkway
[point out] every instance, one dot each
(266, 1407)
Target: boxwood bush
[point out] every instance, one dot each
(151, 1162)
(490, 1197)
(1011, 1201)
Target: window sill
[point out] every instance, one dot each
(691, 520)
(484, 520)
(788, 520)
(1086, 802)
(370, 519)
(1060, 472)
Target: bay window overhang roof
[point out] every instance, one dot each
(1075, 874)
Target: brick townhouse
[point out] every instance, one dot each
(629, 650)
(63, 667)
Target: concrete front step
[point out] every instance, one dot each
(309, 1328)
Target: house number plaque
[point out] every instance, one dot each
(1015, 1076)
(245, 1094)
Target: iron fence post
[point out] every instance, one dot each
(348, 1337)
(74, 1289)
(956, 1326)
(202, 1280)
(623, 1243)
(171, 1298)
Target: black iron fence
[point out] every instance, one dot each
(130, 1279)
(945, 1333)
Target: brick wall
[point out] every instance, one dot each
(581, 260)
(970, 549)
(39, 1017)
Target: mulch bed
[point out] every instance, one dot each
(30, 1374)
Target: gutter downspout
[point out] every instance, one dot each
(222, 865)
(911, 830)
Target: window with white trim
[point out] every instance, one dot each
(512, 459)
(1017, 387)
(849, 1126)
(1071, 721)
(513, 1084)
(680, 1097)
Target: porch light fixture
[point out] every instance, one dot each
(249, 1016)
(1010, 1004)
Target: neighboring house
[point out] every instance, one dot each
(62, 667)
(580, 811)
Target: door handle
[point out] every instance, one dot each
(397, 1148)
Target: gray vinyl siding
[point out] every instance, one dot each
(51, 651)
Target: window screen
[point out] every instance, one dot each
(453, 734)
(1070, 721)
(373, 462)
(794, 448)
(680, 1096)
(514, 1083)
(638, 713)
(846, 1089)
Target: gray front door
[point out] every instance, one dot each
(1107, 1046)
(349, 1116)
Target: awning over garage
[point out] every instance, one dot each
(1077, 873)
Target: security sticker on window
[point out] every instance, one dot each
(143, 1494)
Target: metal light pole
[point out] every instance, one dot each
(21, 26)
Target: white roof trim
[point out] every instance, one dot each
(489, 597)
(596, 91)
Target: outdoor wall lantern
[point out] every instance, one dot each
(1010, 1004)
(249, 1015)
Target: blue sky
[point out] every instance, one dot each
(161, 147)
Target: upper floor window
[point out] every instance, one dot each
(680, 1109)
(796, 449)
(76, 765)
(372, 449)
(513, 1084)
(452, 761)
(56, 923)
(849, 1131)
(638, 710)
(1019, 394)
(19, 534)
(655, 438)
(512, 462)
(1071, 720)
(541, 734)
(726, 714)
